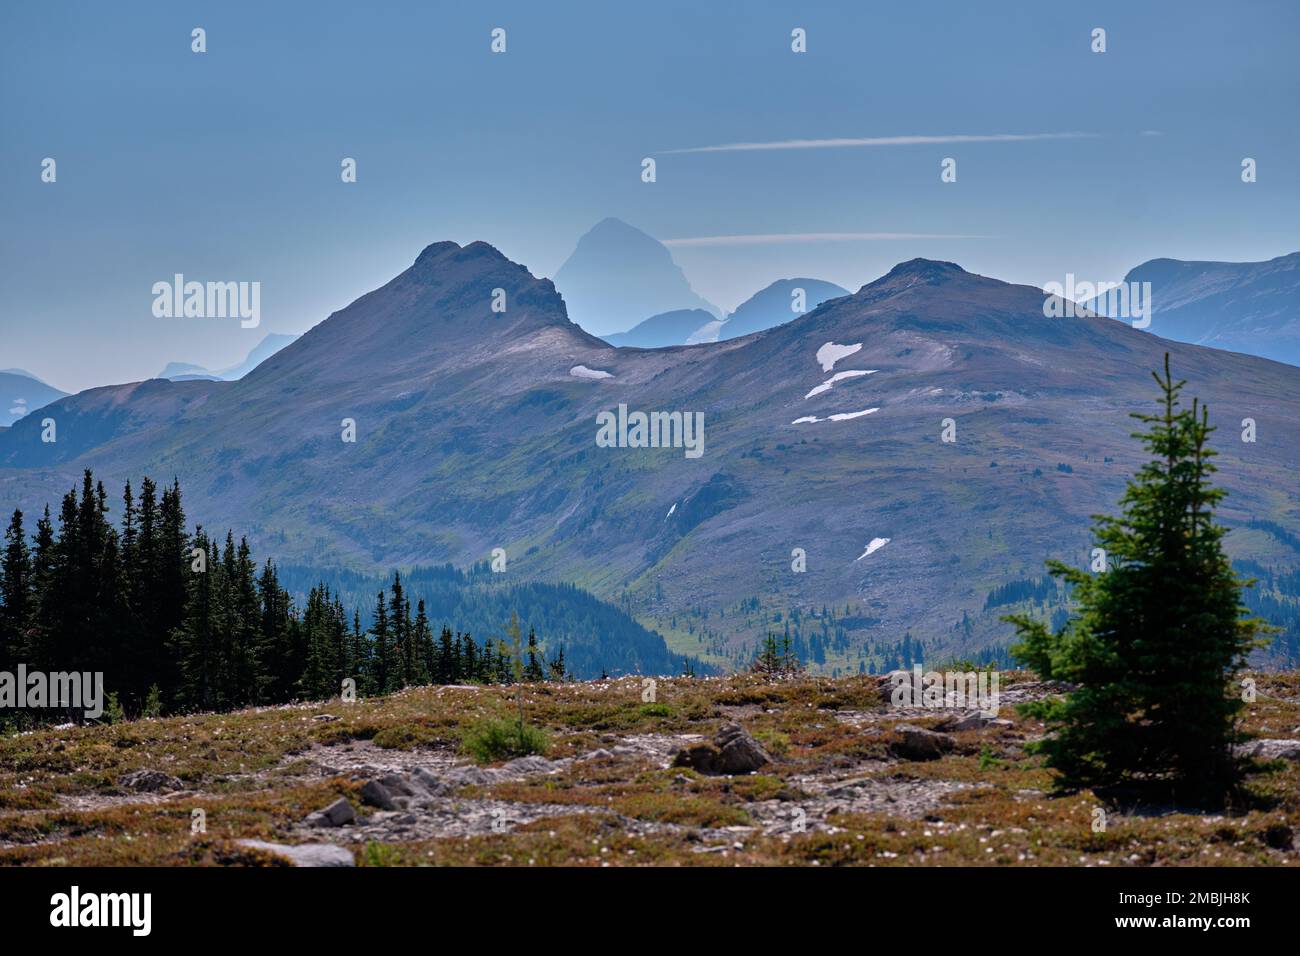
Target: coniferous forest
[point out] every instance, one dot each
(183, 621)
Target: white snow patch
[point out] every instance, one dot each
(841, 417)
(830, 353)
(670, 511)
(581, 371)
(875, 545)
(839, 377)
(845, 416)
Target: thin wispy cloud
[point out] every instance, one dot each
(774, 238)
(880, 141)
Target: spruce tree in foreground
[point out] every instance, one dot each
(1158, 636)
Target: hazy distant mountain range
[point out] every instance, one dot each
(618, 273)
(22, 392)
(476, 430)
(623, 285)
(619, 276)
(1251, 307)
(773, 305)
(667, 328)
(185, 371)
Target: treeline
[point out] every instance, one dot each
(598, 636)
(1037, 590)
(1276, 598)
(181, 621)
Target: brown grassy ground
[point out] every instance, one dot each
(987, 802)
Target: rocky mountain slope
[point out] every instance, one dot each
(477, 430)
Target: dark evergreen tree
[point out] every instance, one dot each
(16, 595)
(1158, 636)
(422, 640)
(556, 669)
(446, 669)
(359, 662)
(383, 672)
(532, 670)
(399, 623)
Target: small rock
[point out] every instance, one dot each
(891, 680)
(916, 743)
(397, 784)
(305, 854)
(527, 766)
(467, 777)
(337, 814)
(740, 753)
(375, 794)
(429, 781)
(733, 751)
(324, 718)
(148, 781)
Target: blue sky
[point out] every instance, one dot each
(225, 165)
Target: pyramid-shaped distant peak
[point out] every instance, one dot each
(612, 241)
(619, 276)
(611, 225)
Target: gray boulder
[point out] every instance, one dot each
(917, 743)
(304, 854)
(732, 751)
(337, 814)
(375, 794)
(398, 785)
(467, 777)
(889, 681)
(528, 766)
(430, 781)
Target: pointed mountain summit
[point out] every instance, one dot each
(439, 313)
(774, 305)
(618, 275)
